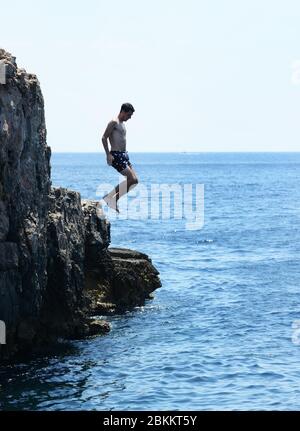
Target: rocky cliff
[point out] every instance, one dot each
(56, 267)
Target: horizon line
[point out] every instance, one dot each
(181, 152)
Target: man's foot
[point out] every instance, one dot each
(112, 203)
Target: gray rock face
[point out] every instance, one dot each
(56, 269)
(24, 190)
(63, 301)
(123, 281)
(97, 235)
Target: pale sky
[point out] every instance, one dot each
(202, 76)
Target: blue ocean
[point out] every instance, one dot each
(223, 331)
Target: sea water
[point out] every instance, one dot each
(222, 333)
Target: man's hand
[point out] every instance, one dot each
(109, 159)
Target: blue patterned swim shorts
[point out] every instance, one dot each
(121, 160)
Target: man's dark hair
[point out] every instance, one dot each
(127, 107)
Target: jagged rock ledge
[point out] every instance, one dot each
(56, 267)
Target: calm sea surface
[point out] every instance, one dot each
(219, 333)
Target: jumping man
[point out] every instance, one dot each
(118, 156)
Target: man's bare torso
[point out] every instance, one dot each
(117, 135)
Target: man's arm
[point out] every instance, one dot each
(106, 135)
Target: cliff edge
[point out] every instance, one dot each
(56, 267)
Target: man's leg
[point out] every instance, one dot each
(127, 185)
(121, 189)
